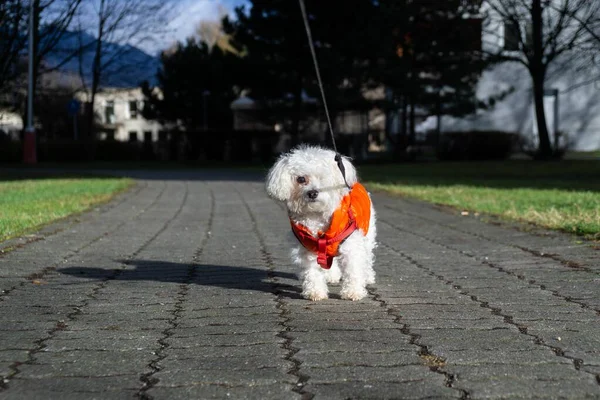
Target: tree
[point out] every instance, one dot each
(279, 68)
(193, 78)
(51, 20)
(541, 34)
(13, 37)
(429, 59)
(120, 26)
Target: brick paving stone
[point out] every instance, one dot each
(218, 376)
(349, 358)
(275, 391)
(107, 385)
(425, 389)
(516, 388)
(44, 394)
(182, 288)
(230, 362)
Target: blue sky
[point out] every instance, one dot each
(189, 12)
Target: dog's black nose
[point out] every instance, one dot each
(312, 194)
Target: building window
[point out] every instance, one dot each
(109, 112)
(512, 35)
(162, 136)
(133, 109)
(133, 136)
(147, 137)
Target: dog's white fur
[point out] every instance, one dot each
(354, 265)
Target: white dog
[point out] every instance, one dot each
(335, 226)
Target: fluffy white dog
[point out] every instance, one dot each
(333, 224)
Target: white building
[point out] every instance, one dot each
(578, 96)
(11, 123)
(119, 114)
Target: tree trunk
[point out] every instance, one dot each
(404, 116)
(438, 127)
(411, 133)
(545, 148)
(538, 73)
(96, 74)
(414, 90)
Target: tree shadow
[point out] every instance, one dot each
(219, 276)
(568, 175)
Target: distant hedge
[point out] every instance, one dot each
(476, 145)
(213, 145)
(10, 151)
(237, 146)
(242, 146)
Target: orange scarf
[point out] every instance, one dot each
(354, 213)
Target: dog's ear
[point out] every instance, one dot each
(279, 180)
(351, 176)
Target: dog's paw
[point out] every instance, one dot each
(353, 294)
(371, 279)
(314, 295)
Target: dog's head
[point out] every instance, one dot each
(308, 180)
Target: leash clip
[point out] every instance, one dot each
(338, 160)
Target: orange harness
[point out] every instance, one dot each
(353, 213)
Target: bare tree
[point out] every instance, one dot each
(118, 26)
(13, 29)
(540, 34)
(51, 20)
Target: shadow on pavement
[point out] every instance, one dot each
(222, 276)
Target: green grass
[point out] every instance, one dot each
(26, 204)
(148, 165)
(558, 195)
(583, 155)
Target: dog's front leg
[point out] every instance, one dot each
(314, 283)
(354, 263)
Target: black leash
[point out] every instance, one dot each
(338, 156)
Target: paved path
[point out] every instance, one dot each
(182, 288)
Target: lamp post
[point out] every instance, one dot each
(29, 142)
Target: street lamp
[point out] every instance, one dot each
(29, 146)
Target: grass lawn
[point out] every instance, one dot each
(558, 195)
(26, 204)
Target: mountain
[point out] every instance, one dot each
(126, 65)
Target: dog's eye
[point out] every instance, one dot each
(301, 180)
